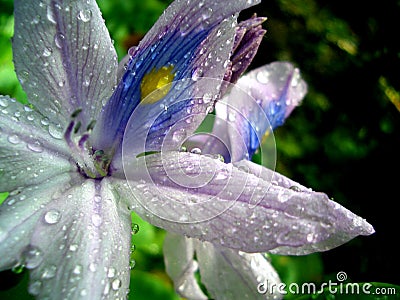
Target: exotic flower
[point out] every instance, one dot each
(91, 147)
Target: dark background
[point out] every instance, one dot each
(345, 137)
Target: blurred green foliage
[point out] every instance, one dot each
(342, 140)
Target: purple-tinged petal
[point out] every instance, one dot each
(181, 266)
(241, 272)
(191, 39)
(278, 87)
(64, 58)
(20, 213)
(221, 203)
(82, 241)
(270, 94)
(249, 35)
(31, 148)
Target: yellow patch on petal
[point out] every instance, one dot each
(154, 81)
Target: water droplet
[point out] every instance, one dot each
(219, 157)
(35, 147)
(132, 263)
(56, 131)
(24, 76)
(295, 78)
(45, 122)
(50, 15)
(52, 217)
(83, 292)
(310, 237)
(111, 273)
(59, 40)
(49, 272)
(73, 247)
(3, 102)
(135, 228)
(36, 20)
(295, 188)
(77, 270)
(195, 151)
(197, 74)
(32, 256)
(18, 269)
(92, 267)
(96, 220)
(207, 98)
(222, 174)
(35, 287)
(263, 77)
(14, 139)
(47, 52)
(85, 15)
(116, 284)
(86, 81)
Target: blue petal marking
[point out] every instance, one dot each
(172, 49)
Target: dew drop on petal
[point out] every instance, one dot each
(86, 81)
(295, 188)
(35, 147)
(195, 151)
(116, 284)
(45, 122)
(111, 272)
(97, 220)
(18, 269)
(3, 102)
(263, 77)
(50, 15)
(56, 131)
(32, 256)
(85, 15)
(14, 139)
(52, 217)
(132, 263)
(47, 52)
(35, 288)
(49, 272)
(310, 237)
(59, 40)
(77, 270)
(73, 247)
(92, 267)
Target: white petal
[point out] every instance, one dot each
(31, 148)
(228, 274)
(64, 57)
(84, 240)
(21, 211)
(180, 266)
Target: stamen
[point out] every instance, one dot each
(67, 135)
(91, 125)
(76, 113)
(83, 140)
(77, 127)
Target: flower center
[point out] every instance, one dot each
(90, 163)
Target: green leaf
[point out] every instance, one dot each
(155, 286)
